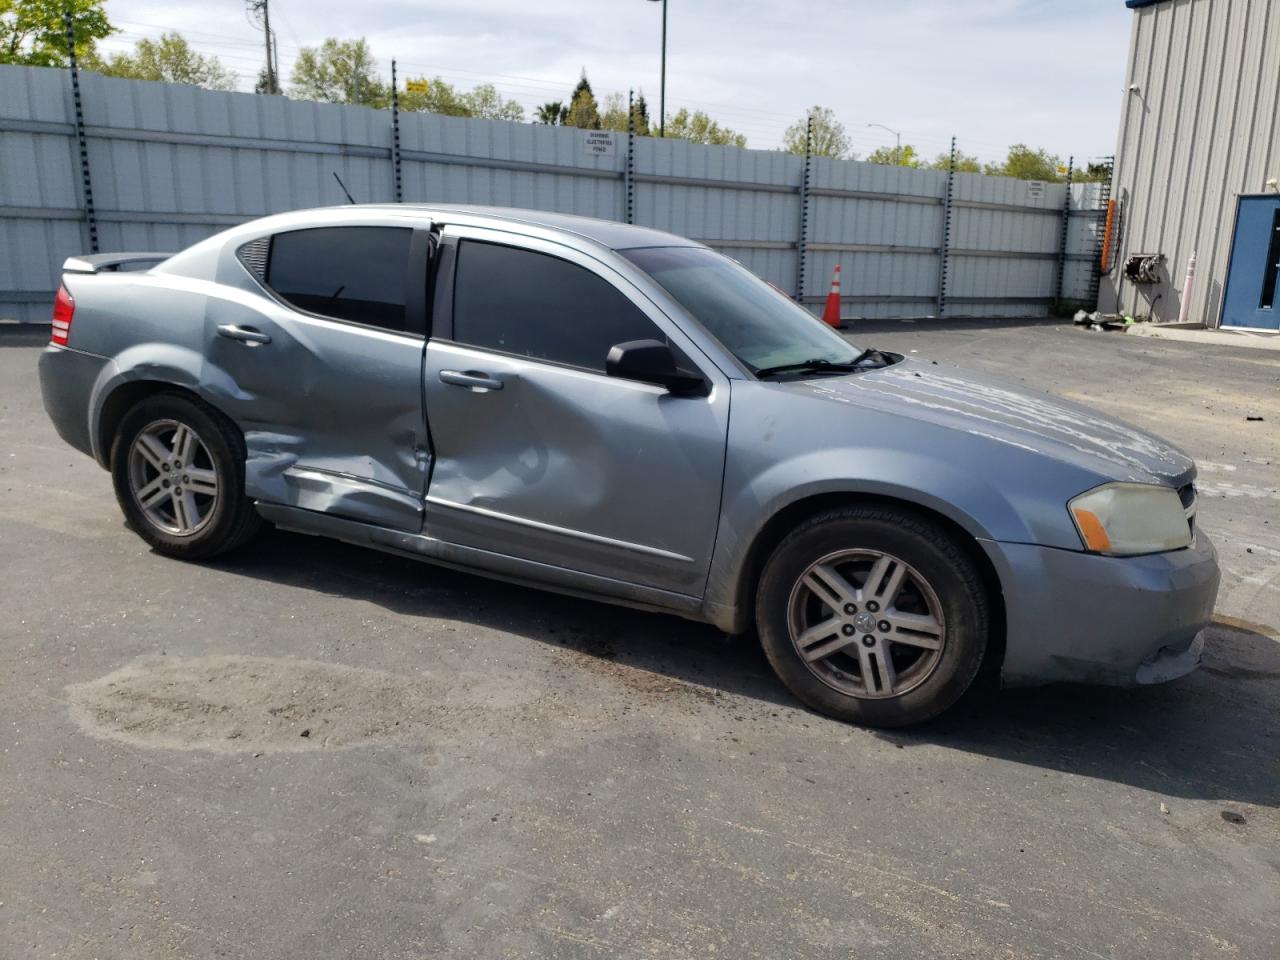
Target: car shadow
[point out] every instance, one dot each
(1213, 735)
(661, 644)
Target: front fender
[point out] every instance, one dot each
(788, 445)
(959, 495)
(751, 502)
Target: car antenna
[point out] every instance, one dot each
(350, 199)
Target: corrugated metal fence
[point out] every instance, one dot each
(171, 164)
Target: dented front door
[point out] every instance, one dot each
(541, 456)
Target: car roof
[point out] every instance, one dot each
(609, 233)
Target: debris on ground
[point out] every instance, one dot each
(1098, 322)
(1252, 419)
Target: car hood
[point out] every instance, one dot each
(1013, 414)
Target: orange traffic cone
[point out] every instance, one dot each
(831, 314)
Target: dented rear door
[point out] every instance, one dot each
(323, 370)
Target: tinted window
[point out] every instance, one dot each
(540, 306)
(351, 273)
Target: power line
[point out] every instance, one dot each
(762, 126)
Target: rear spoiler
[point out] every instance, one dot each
(111, 262)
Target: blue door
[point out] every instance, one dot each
(1252, 298)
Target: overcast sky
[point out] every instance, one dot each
(993, 72)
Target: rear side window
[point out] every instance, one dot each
(350, 273)
(539, 306)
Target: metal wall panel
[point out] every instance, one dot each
(172, 164)
(1199, 128)
(1005, 238)
(39, 172)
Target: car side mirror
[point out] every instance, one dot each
(651, 361)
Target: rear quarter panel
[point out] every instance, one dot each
(147, 327)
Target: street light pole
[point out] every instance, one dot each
(662, 88)
(897, 150)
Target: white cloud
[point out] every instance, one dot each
(993, 72)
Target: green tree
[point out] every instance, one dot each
(486, 103)
(553, 113)
(32, 32)
(1027, 164)
(895, 156)
(263, 83)
(339, 71)
(615, 114)
(640, 111)
(965, 162)
(828, 137)
(438, 97)
(1093, 173)
(584, 111)
(697, 127)
(170, 59)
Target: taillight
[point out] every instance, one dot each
(63, 308)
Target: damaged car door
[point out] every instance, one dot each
(544, 453)
(326, 367)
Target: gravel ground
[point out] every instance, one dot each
(309, 750)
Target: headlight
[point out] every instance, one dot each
(1123, 519)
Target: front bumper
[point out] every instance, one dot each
(1081, 617)
(67, 381)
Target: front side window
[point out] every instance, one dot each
(536, 305)
(752, 320)
(350, 273)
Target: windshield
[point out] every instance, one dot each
(752, 320)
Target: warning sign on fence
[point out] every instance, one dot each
(600, 143)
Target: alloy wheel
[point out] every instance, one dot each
(173, 477)
(866, 624)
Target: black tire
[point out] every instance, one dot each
(233, 520)
(936, 556)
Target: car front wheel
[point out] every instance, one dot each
(873, 615)
(178, 471)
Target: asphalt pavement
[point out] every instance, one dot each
(310, 750)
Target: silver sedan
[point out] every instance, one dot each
(619, 413)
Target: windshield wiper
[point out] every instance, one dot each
(822, 365)
(871, 354)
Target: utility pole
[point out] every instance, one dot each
(262, 13)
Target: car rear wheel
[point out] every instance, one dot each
(178, 471)
(873, 615)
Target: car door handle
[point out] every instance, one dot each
(471, 378)
(244, 334)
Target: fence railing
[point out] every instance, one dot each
(171, 164)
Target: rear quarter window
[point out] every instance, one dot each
(358, 274)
